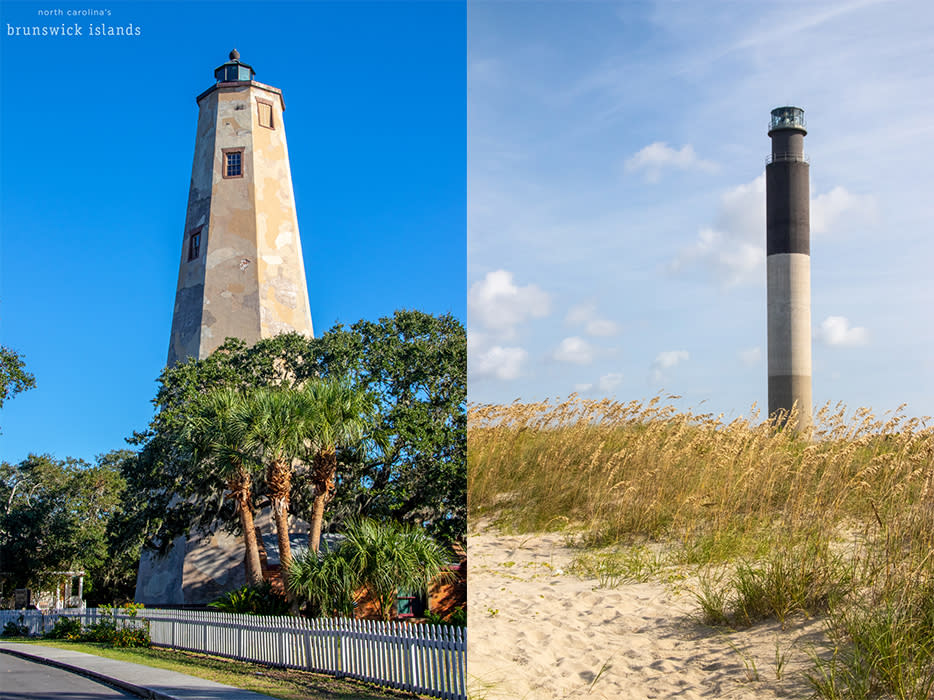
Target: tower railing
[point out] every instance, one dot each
(781, 157)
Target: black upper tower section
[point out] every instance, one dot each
(787, 185)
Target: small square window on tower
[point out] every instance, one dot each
(194, 244)
(233, 162)
(264, 114)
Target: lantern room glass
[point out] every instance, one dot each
(787, 118)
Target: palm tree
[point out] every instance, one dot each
(279, 425)
(215, 434)
(342, 416)
(391, 557)
(327, 581)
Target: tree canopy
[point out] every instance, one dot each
(13, 375)
(414, 364)
(55, 515)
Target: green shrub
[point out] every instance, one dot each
(107, 632)
(15, 629)
(101, 632)
(65, 628)
(130, 637)
(261, 599)
(458, 618)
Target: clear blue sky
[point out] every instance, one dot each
(616, 201)
(97, 143)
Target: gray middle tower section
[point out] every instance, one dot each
(788, 266)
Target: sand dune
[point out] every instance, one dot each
(537, 631)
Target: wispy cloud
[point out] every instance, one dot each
(586, 315)
(659, 156)
(800, 22)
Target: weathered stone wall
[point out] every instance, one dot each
(283, 292)
(231, 296)
(185, 340)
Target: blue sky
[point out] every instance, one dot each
(616, 206)
(97, 143)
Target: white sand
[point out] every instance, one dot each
(536, 631)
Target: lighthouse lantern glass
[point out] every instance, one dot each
(787, 118)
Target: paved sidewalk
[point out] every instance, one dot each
(143, 680)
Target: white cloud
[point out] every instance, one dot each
(497, 303)
(575, 350)
(608, 382)
(839, 208)
(670, 358)
(750, 357)
(583, 388)
(667, 360)
(586, 315)
(659, 155)
(498, 361)
(836, 330)
(733, 248)
(488, 359)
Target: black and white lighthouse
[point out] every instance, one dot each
(788, 267)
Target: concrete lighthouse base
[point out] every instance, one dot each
(789, 334)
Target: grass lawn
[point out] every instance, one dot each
(288, 684)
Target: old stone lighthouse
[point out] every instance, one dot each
(241, 275)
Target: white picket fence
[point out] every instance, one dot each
(424, 659)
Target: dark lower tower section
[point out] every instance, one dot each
(788, 266)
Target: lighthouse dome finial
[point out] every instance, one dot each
(234, 55)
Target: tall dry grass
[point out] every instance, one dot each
(742, 490)
(623, 470)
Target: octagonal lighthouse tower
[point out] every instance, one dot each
(241, 275)
(788, 266)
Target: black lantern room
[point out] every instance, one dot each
(233, 71)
